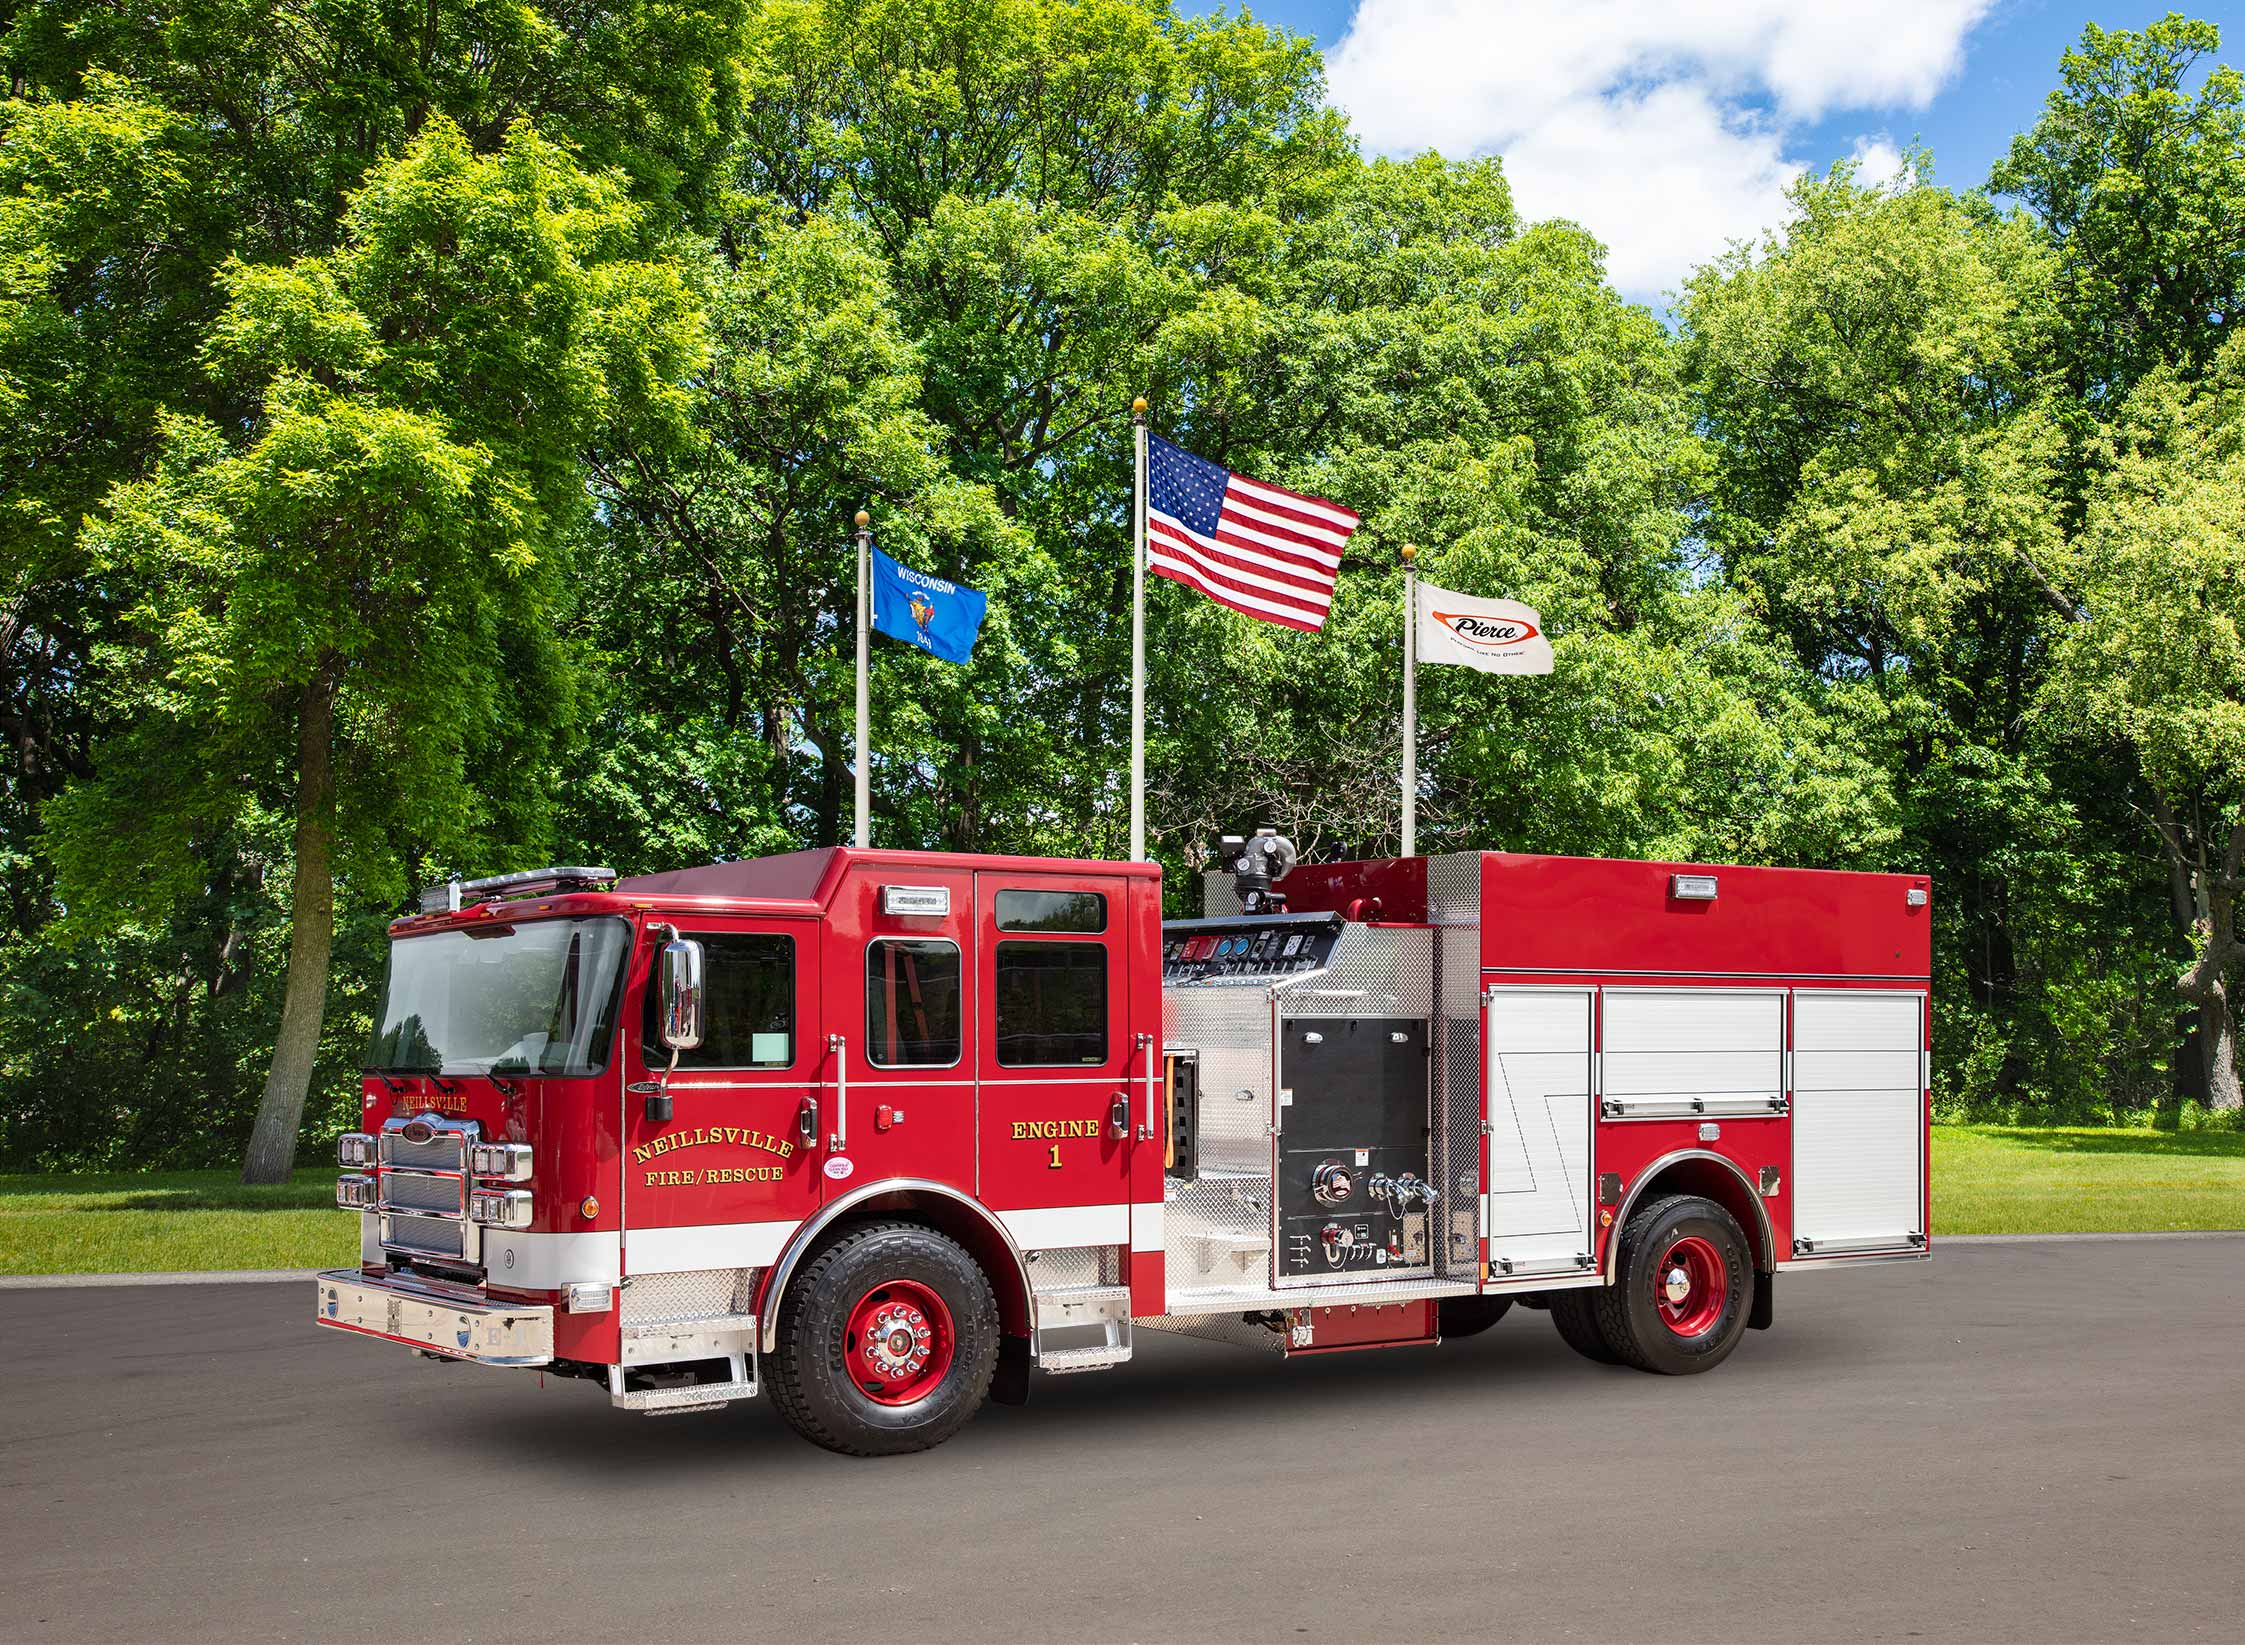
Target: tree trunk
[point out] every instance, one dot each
(311, 937)
(2218, 1041)
(2206, 984)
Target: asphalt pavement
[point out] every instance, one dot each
(2029, 1442)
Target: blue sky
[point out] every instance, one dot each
(1670, 127)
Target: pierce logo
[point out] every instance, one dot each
(1487, 633)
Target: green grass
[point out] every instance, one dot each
(1987, 1179)
(2001, 1179)
(146, 1222)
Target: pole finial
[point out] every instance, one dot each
(1409, 551)
(863, 519)
(1138, 406)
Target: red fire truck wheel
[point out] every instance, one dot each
(1678, 1302)
(887, 1341)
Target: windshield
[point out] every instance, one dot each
(535, 998)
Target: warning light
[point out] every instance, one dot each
(589, 1207)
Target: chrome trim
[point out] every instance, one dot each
(784, 1269)
(1810, 1265)
(839, 1044)
(1629, 1203)
(514, 1209)
(360, 1185)
(434, 1320)
(359, 1143)
(499, 1161)
(1146, 1050)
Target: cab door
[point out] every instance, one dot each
(734, 1150)
(1056, 1054)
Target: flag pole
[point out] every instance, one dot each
(1138, 637)
(864, 831)
(1410, 553)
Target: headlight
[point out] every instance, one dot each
(355, 1193)
(501, 1161)
(354, 1150)
(500, 1207)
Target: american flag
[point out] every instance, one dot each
(1260, 549)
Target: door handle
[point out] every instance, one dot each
(1153, 1112)
(806, 1120)
(1118, 1115)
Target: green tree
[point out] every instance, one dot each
(353, 600)
(2157, 662)
(1893, 444)
(2140, 185)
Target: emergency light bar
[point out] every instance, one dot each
(453, 895)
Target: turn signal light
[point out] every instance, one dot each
(354, 1151)
(500, 1207)
(355, 1193)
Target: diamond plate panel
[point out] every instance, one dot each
(1229, 1329)
(1069, 1267)
(1377, 971)
(695, 1293)
(1231, 1029)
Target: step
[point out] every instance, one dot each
(1097, 1357)
(702, 1396)
(1073, 1305)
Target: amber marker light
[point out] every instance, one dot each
(588, 1207)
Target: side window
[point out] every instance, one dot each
(912, 1002)
(749, 1020)
(1052, 1004)
(1083, 911)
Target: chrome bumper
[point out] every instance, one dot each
(434, 1320)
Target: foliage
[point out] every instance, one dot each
(504, 378)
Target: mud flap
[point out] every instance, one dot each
(1009, 1384)
(1764, 1311)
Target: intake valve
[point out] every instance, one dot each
(1400, 1193)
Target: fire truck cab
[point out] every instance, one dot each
(881, 1132)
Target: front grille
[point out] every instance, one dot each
(426, 1236)
(411, 1191)
(424, 1187)
(445, 1151)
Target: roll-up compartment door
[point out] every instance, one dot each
(1539, 1129)
(1674, 1052)
(1858, 1121)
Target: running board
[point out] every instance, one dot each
(697, 1396)
(1066, 1315)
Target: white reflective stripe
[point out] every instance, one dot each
(1065, 1225)
(1145, 1227)
(706, 1245)
(546, 1262)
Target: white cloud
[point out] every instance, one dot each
(1661, 125)
(1877, 161)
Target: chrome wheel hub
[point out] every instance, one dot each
(1677, 1285)
(898, 1341)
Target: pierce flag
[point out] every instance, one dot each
(1495, 636)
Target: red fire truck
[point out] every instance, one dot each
(880, 1132)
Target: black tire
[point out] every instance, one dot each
(1576, 1315)
(1632, 1315)
(1469, 1316)
(810, 1373)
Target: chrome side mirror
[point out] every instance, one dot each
(680, 983)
